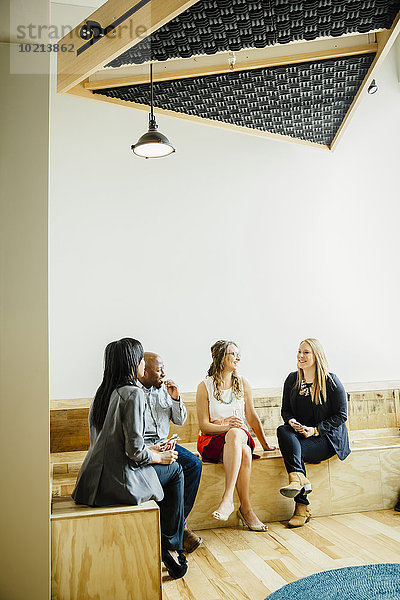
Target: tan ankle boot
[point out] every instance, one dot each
(297, 483)
(301, 515)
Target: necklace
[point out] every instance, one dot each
(229, 401)
(305, 388)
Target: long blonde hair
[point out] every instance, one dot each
(218, 353)
(318, 389)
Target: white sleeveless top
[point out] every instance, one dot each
(230, 406)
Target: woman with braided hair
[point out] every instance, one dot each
(224, 400)
(119, 468)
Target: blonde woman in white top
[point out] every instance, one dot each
(224, 400)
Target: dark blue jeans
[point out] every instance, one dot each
(171, 507)
(192, 467)
(296, 450)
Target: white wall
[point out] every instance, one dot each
(232, 237)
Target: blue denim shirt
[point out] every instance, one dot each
(160, 409)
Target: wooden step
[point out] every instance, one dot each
(95, 552)
(367, 480)
(62, 484)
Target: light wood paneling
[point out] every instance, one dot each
(390, 475)
(356, 483)
(103, 553)
(372, 409)
(367, 479)
(69, 430)
(188, 432)
(245, 65)
(368, 409)
(63, 484)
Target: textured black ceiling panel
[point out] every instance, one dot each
(212, 26)
(306, 101)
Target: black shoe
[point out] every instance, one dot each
(175, 570)
(397, 507)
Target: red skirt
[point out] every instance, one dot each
(211, 446)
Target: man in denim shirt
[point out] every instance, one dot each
(163, 404)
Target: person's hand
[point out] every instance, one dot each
(306, 431)
(233, 421)
(295, 425)
(156, 447)
(167, 446)
(165, 458)
(172, 389)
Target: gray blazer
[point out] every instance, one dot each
(117, 469)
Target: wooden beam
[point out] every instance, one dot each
(385, 40)
(80, 59)
(81, 92)
(224, 68)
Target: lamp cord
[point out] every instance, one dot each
(152, 121)
(151, 88)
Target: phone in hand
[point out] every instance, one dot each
(171, 440)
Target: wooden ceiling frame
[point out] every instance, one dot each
(149, 15)
(81, 58)
(285, 59)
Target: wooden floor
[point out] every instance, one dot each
(237, 564)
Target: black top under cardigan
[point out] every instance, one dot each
(330, 416)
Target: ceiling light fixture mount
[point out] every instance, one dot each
(152, 144)
(373, 88)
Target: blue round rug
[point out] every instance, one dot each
(369, 582)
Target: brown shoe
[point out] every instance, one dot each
(191, 541)
(297, 483)
(301, 515)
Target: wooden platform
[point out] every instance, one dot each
(367, 480)
(104, 553)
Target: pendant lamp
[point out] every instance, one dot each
(152, 144)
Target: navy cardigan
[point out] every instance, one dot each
(330, 416)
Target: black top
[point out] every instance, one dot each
(329, 417)
(304, 410)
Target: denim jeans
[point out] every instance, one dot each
(171, 507)
(192, 467)
(296, 450)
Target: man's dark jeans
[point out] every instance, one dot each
(192, 467)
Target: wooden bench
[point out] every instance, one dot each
(104, 553)
(367, 480)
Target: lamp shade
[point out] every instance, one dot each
(153, 144)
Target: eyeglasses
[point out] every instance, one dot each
(234, 354)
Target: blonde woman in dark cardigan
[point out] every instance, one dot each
(314, 409)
